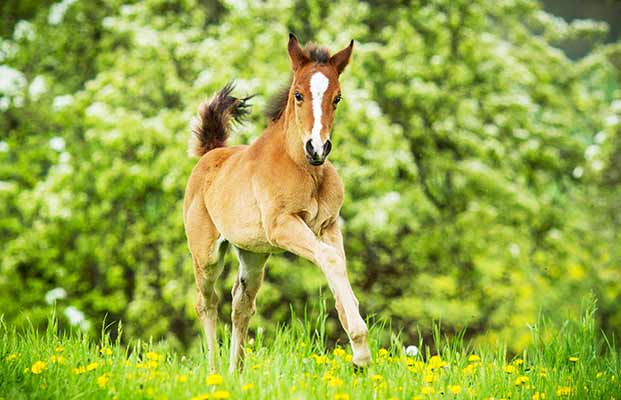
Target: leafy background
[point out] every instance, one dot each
(479, 142)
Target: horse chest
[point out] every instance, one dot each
(314, 215)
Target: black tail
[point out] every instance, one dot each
(210, 128)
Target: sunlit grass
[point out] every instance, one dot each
(572, 361)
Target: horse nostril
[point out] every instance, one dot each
(310, 149)
(327, 146)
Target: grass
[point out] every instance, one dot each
(571, 361)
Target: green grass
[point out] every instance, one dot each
(571, 361)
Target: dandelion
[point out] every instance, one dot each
(455, 389)
(474, 358)
(377, 378)
(539, 396)
(106, 351)
(37, 367)
(322, 359)
(520, 380)
(92, 366)
(11, 357)
(573, 359)
(469, 370)
(429, 378)
(79, 370)
(338, 352)
(153, 356)
(435, 362)
(215, 379)
(103, 380)
(508, 369)
(518, 361)
(599, 374)
(57, 359)
(201, 397)
(382, 353)
(181, 378)
(341, 396)
(220, 394)
(563, 391)
(59, 349)
(427, 390)
(411, 351)
(247, 387)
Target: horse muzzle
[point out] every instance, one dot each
(314, 157)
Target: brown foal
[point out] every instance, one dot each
(278, 194)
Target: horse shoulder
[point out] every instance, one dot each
(332, 191)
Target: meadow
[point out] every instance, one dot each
(572, 361)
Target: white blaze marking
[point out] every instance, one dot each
(318, 86)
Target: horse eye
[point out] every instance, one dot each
(298, 96)
(337, 99)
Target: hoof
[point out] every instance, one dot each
(359, 369)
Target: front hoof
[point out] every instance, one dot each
(359, 369)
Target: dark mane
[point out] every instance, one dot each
(277, 103)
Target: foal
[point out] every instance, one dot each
(277, 194)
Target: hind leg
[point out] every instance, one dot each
(247, 284)
(208, 250)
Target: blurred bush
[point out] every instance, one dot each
(481, 164)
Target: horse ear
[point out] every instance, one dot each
(341, 59)
(297, 56)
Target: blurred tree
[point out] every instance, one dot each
(474, 192)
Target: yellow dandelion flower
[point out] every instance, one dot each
(338, 352)
(322, 359)
(573, 359)
(79, 370)
(348, 357)
(377, 378)
(417, 397)
(469, 370)
(427, 390)
(335, 382)
(510, 369)
(92, 366)
(247, 387)
(59, 349)
(106, 351)
(57, 359)
(473, 358)
(220, 394)
(215, 379)
(563, 391)
(248, 350)
(181, 378)
(37, 367)
(455, 389)
(201, 397)
(539, 396)
(435, 362)
(382, 352)
(520, 380)
(599, 374)
(341, 396)
(103, 380)
(153, 356)
(11, 357)
(429, 378)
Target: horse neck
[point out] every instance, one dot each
(294, 146)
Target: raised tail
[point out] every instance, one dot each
(211, 126)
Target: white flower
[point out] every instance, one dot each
(55, 294)
(12, 81)
(61, 102)
(514, 249)
(57, 143)
(23, 30)
(411, 351)
(577, 172)
(76, 317)
(37, 87)
(4, 146)
(58, 10)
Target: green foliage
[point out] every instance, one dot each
(480, 163)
